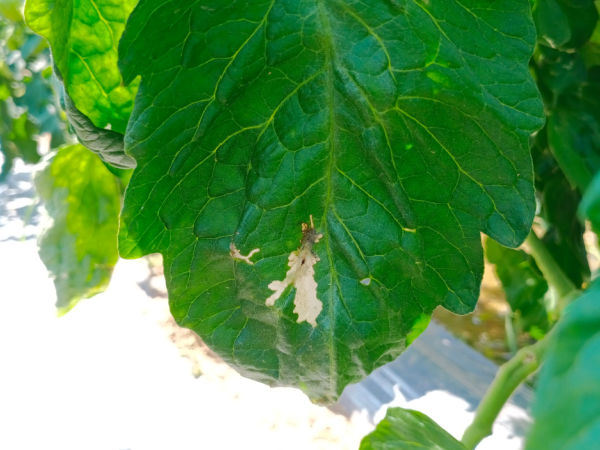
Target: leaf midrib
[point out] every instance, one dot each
(329, 61)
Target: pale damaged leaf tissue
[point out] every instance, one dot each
(301, 275)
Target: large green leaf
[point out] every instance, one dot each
(567, 402)
(80, 248)
(84, 35)
(407, 429)
(523, 284)
(386, 123)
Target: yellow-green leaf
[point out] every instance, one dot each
(84, 36)
(83, 200)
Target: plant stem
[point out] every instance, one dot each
(510, 375)
(527, 360)
(550, 269)
(511, 333)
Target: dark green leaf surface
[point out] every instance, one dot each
(523, 284)
(399, 134)
(404, 429)
(559, 200)
(574, 137)
(84, 35)
(567, 401)
(80, 248)
(566, 153)
(572, 95)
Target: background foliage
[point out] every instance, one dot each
(28, 106)
(80, 193)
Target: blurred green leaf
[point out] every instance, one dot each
(591, 50)
(41, 103)
(559, 200)
(80, 248)
(590, 204)
(11, 9)
(523, 284)
(20, 139)
(565, 24)
(571, 93)
(84, 37)
(407, 429)
(574, 137)
(566, 408)
(17, 140)
(28, 106)
(558, 72)
(567, 151)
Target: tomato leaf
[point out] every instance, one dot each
(567, 400)
(84, 37)
(565, 24)
(317, 173)
(107, 144)
(408, 429)
(523, 284)
(562, 229)
(80, 247)
(589, 208)
(572, 95)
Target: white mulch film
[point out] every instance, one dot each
(108, 375)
